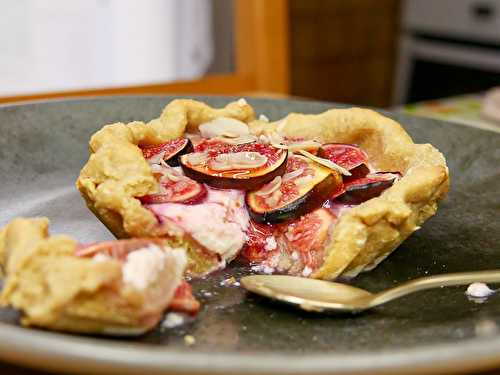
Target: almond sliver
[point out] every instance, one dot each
(271, 187)
(326, 163)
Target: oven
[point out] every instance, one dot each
(447, 48)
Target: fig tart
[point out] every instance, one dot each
(314, 195)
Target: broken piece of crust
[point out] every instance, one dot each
(363, 236)
(58, 290)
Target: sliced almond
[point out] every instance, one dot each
(304, 145)
(264, 139)
(274, 198)
(270, 188)
(197, 158)
(156, 159)
(194, 138)
(229, 135)
(156, 168)
(326, 163)
(291, 175)
(239, 140)
(302, 181)
(279, 145)
(297, 146)
(237, 160)
(172, 177)
(221, 125)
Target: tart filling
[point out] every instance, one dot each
(280, 223)
(218, 223)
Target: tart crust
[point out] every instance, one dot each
(58, 290)
(362, 237)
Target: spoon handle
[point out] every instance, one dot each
(431, 282)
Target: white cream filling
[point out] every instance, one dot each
(219, 225)
(100, 257)
(173, 320)
(270, 244)
(234, 203)
(264, 268)
(142, 267)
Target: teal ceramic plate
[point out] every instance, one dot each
(44, 145)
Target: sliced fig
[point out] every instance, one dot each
(368, 187)
(308, 234)
(346, 155)
(257, 247)
(295, 247)
(175, 188)
(297, 195)
(169, 151)
(338, 192)
(357, 172)
(227, 166)
(295, 145)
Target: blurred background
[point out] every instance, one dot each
(427, 57)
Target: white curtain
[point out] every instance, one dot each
(77, 44)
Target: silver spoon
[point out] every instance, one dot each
(319, 295)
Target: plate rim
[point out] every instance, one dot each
(62, 352)
(79, 354)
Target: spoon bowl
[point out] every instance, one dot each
(320, 295)
(308, 294)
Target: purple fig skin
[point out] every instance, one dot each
(357, 172)
(368, 187)
(174, 158)
(171, 158)
(197, 195)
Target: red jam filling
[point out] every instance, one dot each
(183, 300)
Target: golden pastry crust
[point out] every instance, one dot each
(56, 289)
(362, 237)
